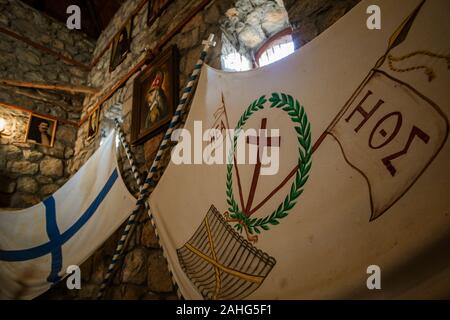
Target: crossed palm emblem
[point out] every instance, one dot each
(241, 215)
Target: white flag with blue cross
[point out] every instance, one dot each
(37, 244)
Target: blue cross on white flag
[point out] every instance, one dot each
(37, 244)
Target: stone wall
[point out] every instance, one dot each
(30, 172)
(20, 61)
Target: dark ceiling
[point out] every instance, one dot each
(95, 14)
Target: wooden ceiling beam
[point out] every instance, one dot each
(57, 87)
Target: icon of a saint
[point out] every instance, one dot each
(93, 124)
(156, 101)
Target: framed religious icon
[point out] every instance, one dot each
(155, 8)
(155, 96)
(41, 130)
(121, 45)
(93, 123)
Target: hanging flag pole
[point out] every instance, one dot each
(149, 181)
(129, 154)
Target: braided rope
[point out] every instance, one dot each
(130, 157)
(149, 182)
(427, 70)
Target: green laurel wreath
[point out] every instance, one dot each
(303, 128)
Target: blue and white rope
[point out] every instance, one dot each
(149, 181)
(129, 154)
(137, 177)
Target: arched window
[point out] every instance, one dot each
(277, 47)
